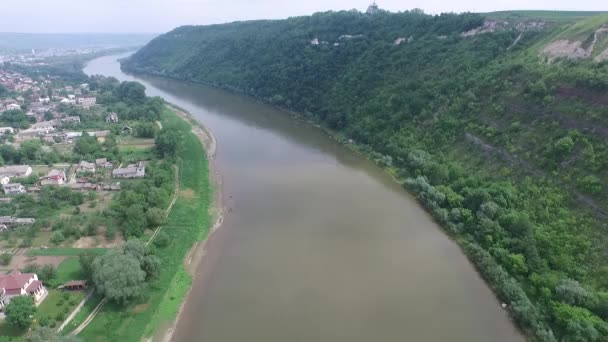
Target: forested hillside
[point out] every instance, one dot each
(498, 122)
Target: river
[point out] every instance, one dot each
(319, 244)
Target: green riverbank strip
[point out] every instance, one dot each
(188, 223)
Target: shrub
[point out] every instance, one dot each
(5, 259)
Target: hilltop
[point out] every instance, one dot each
(497, 121)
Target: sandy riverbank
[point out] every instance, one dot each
(198, 251)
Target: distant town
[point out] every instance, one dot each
(41, 57)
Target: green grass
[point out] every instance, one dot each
(64, 251)
(544, 15)
(10, 331)
(69, 270)
(188, 223)
(86, 310)
(59, 303)
(582, 30)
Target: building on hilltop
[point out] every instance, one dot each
(373, 8)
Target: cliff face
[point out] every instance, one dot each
(498, 121)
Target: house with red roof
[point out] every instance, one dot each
(21, 284)
(54, 177)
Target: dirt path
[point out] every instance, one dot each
(98, 308)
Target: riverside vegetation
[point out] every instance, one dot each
(501, 138)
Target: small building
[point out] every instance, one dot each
(137, 170)
(71, 119)
(16, 171)
(5, 200)
(13, 189)
(103, 163)
(126, 130)
(112, 118)
(3, 228)
(4, 130)
(54, 177)
(85, 166)
(21, 284)
(74, 285)
(4, 180)
(23, 221)
(111, 187)
(86, 102)
(13, 106)
(33, 189)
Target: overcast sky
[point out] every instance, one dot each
(155, 16)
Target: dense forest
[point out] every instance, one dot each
(504, 144)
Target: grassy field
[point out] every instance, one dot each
(136, 143)
(68, 270)
(188, 223)
(86, 310)
(63, 251)
(582, 30)
(57, 306)
(563, 16)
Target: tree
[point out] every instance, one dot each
(563, 146)
(3, 91)
(591, 184)
(86, 263)
(571, 292)
(168, 142)
(19, 311)
(154, 217)
(131, 92)
(135, 221)
(46, 334)
(151, 265)
(119, 277)
(87, 145)
(5, 258)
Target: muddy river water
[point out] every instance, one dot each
(318, 244)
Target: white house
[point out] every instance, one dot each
(13, 189)
(54, 177)
(21, 284)
(18, 171)
(85, 166)
(112, 118)
(103, 163)
(86, 101)
(3, 130)
(132, 171)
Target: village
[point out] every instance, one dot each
(64, 160)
